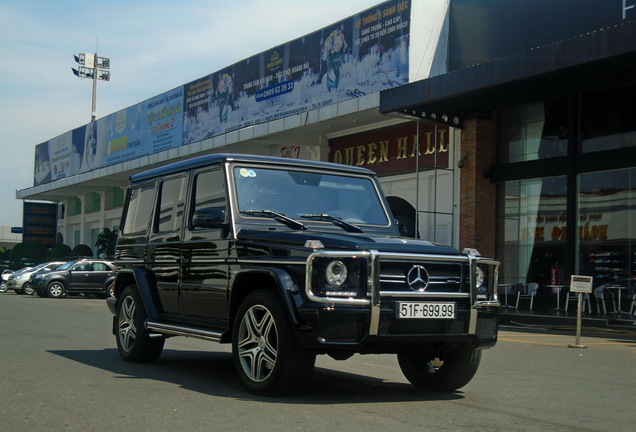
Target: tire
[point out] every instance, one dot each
(27, 289)
(444, 372)
(266, 355)
(56, 290)
(133, 341)
(3, 286)
(110, 291)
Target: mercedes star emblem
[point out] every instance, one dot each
(417, 278)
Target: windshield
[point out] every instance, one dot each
(66, 266)
(305, 195)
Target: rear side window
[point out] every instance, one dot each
(139, 210)
(171, 205)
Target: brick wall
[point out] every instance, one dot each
(477, 194)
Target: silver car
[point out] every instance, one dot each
(19, 281)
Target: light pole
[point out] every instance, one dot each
(97, 68)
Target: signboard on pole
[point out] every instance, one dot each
(581, 284)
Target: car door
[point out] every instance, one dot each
(79, 277)
(165, 239)
(99, 273)
(204, 269)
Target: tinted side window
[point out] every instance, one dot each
(209, 191)
(99, 267)
(139, 210)
(171, 204)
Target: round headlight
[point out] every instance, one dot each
(336, 273)
(480, 276)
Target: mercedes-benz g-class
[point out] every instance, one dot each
(286, 259)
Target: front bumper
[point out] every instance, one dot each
(344, 328)
(371, 323)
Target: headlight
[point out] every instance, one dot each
(336, 273)
(480, 277)
(337, 277)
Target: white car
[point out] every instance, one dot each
(3, 283)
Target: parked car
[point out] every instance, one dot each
(76, 277)
(7, 274)
(20, 281)
(3, 283)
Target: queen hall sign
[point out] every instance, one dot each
(393, 151)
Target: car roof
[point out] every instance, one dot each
(205, 160)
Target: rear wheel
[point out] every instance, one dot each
(133, 341)
(28, 289)
(447, 371)
(56, 290)
(266, 355)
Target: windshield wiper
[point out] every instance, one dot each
(335, 220)
(276, 216)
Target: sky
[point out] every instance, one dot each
(153, 45)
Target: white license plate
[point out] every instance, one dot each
(434, 310)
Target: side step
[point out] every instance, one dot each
(179, 330)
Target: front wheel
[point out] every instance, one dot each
(56, 290)
(27, 289)
(3, 286)
(447, 371)
(266, 355)
(133, 341)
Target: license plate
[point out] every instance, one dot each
(432, 310)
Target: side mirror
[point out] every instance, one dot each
(210, 217)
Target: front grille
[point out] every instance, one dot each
(486, 328)
(442, 277)
(392, 326)
(344, 329)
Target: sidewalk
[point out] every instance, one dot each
(619, 322)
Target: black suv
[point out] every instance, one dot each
(286, 259)
(76, 277)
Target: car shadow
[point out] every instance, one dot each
(213, 374)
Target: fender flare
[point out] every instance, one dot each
(285, 285)
(141, 278)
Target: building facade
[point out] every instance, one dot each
(508, 126)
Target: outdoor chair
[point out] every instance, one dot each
(601, 294)
(528, 292)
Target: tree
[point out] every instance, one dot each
(82, 251)
(60, 252)
(36, 252)
(18, 252)
(106, 242)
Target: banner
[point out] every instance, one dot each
(363, 54)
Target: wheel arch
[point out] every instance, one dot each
(142, 280)
(248, 280)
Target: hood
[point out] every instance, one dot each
(343, 241)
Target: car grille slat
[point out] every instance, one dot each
(441, 277)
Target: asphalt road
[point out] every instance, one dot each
(60, 371)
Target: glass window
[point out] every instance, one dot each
(209, 190)
(93, 202)
(139, 210)
(299, 194)
(532, 230)
(607, 225)
(171, 204)
(532, 132)
(608, 119)
(74, 206)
